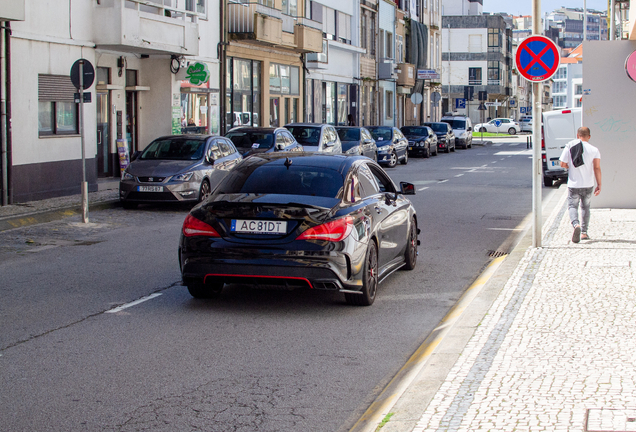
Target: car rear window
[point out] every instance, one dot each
(414, 131)
(307, 135)
(249, 140)
(174, 149)
(456, 124)
(278, 179)
(381, 134)
(438, 127)
(349, 134)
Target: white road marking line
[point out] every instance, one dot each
(442, 181)
(514, 144)
(514, 153)
(505, 229)
(459, 175)
(497, 145)
(421, 189)
(131, 304)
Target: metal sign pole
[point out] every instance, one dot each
(536, 137)
(81, 129)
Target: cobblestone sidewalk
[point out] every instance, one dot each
(557, 350)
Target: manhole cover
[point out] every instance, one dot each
(610, 420)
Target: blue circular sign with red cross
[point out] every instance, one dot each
(537, 58)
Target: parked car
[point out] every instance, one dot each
(422, 140)
(251, 140)
(309, 220)
(525, 123)
(357, 141)
(177, 168)
(505, 126)
(445, 135)
(316, 137)
(559, 128)
(392, 145)
(462, 128)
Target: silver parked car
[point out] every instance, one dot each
(316, 137)
(177, 168)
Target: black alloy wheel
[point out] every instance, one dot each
(405, 160)
(200, 290)
(410, 255)
(369, 279)
(205, 190)
(483, 129)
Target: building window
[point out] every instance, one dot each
(474, 76)
(493, 73)
(344, 28)
(243, 95)
(290, 7)
(400, 48)
(578, 89)
(494, 40)
(373, 41)
(389, 45)
(57, 110)
(561, 73)
(389, 105)
(284, 79)
(382, 44)
(363, 32)
(559, 87)
(559, 101)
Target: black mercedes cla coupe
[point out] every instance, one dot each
(319, 221)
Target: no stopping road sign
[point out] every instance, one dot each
(537, 58)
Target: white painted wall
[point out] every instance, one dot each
(610, 113)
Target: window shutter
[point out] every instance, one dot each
(55, 88)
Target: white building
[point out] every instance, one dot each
(140, 52)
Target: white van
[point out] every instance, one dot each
(462, 128)
(559, 128)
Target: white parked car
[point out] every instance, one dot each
(526, 123)
(499, 125)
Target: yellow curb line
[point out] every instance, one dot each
(405, 376)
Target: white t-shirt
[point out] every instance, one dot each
(582, 176)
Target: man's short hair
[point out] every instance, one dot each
(583, 131)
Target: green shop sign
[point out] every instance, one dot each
(198, 73)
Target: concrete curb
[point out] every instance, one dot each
(19, 221)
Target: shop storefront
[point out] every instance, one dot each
(331, 102)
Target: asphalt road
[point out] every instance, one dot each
(252, 360)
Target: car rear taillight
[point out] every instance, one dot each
(544, 158)
(331, 231)
(542, 139)
(195, 227)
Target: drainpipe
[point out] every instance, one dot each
(223, 66)
(5, 117)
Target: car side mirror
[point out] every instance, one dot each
(209, 159)
(407, 188)
(330, 144)
(135, 155)
(280, 146)
(469, 129)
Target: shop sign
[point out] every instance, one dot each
(198, 73)
(176, 120)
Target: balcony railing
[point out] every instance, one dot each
(494, 82)
(474, 82)
(241, 16)
(164, 8)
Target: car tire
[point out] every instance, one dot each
(129, 205)
(482, 129)
(410, 255)
(547, 182)
(512, 131)
(369, 279)
(200, 290)
(393, 160)
(454, 147)
(427, 152)
(436, 151)
(405, 160)
(447, 149)
(205, 190)
(469, 145)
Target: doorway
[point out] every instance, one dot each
(274, 112)
(104, 163)
(131, 121)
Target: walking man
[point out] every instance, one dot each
(584, 166)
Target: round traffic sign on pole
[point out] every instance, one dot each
(436, 97)
(416, 98)
(537, 58)
(88, 72)
(630, 66)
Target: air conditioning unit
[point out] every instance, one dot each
(387, 69)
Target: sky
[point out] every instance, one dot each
(524, 7)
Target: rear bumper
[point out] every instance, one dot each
(554, 174)
(310, 269)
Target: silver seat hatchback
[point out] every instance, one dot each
(177, 168)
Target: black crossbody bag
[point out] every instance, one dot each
(576, 154)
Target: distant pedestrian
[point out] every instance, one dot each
(583, 162)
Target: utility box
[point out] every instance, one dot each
(386, 70)
(11, 10)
